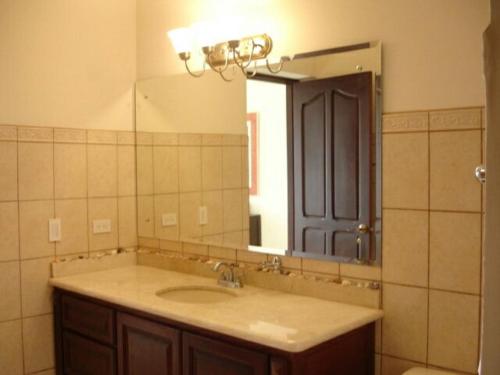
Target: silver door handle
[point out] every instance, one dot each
(480, 173)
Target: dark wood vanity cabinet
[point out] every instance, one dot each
(94, 337)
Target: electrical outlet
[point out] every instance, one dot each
(54, 230)
(169, 220)
(101, 226)
(203, 215)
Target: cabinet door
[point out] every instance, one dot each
(86, 357)
(202, 356)
(145, 347)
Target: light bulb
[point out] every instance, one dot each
(182, 39)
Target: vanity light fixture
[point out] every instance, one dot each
(220, 56)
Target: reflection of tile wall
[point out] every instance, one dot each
(178, 173)
(432, 240)
(75, 175)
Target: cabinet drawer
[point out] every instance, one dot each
(89, 319)
(86, 357)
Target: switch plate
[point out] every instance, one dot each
(101, 226)
(203, 215)
(169, 220)
(54, 230)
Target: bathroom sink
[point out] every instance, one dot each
(196, 294)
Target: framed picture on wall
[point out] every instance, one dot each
(253, 149)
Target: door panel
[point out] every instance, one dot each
(145, 347)
(331, 131)
(203, 356)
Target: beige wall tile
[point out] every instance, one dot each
(245, 256)
(145, 216)
(101, 137)
(125, 137)
(70, 170)
(166, 204)
(144, 138)
(226, 253)
(10, 303)
(8, 133)
(144, 170)
(211, 168)
(231, 139)
(152, 243)
(453, 330)
(244, 167)
(405, 247)
(455, 119)
(166, 169)
(245, 208)
(8, 166)
(36, 291)
(74, 233)
(231, 167)
(188, 218)
(36, 171)
(9, 231)
(405, 172)
(127, 222)
(216, 239)
(454, 156)
(102, 171)
(196, 249)
(360, 272)
(11, 348)
(232, 210)
(233, 238)
(189, 169)
(211, 139)
(213, 201)
(455, 252)
(320, 266)
(165, 139)
(126, 170)
(175, 246)
(103, 208)
(186, 139)
(35, 134)
(34, 221)
(403, 122)
(395, 366)
(38, 339)
(404, 327)
(70, 135)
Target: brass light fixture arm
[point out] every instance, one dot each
(185, 56)
(275, 71)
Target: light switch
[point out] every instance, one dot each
(101, 226)
(169, 220)
(203, 213)
(54, 230)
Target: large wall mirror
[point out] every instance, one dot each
(285, 164)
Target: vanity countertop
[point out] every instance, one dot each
(280, 320)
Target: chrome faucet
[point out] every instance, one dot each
(228, 277)
(274, 265)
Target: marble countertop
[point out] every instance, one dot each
(280, 320)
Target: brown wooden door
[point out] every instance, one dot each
(145, 347)
(331, 128)
(203, 356)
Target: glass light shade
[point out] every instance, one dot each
(206, 33)
(182, 39)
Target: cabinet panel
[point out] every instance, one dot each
(86, 357)
(203, 356)
(89, 319)
(145, 347)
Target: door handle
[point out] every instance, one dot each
(362, 228)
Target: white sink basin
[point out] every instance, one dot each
(196, 294)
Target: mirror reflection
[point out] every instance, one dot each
(285, 164)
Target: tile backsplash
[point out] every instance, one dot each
(77, 176)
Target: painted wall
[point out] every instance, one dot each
(68, 63)
(271, 201)
(432, 49)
